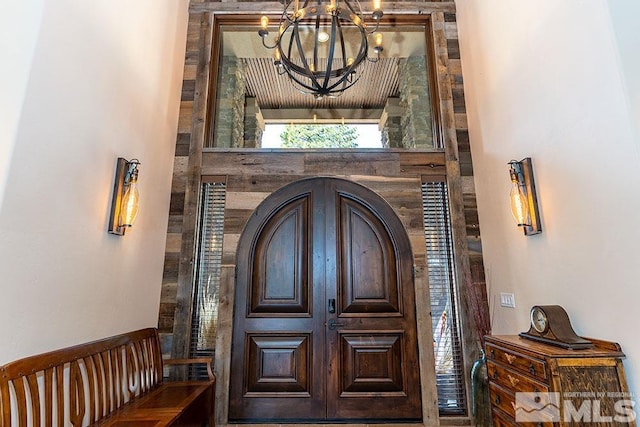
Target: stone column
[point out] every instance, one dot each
(253, 124)
(390, 125)
(229, 123)
(414, 101)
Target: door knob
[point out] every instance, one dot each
(333, 325)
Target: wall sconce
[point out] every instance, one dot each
(124, 205)
(524, 202)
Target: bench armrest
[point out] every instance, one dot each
(191, 361)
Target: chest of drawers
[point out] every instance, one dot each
(535, 384)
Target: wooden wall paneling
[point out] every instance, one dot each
(471, 341)
(470, 207)
(466, 166)
(331, 163)
(266, 183)
(229, 246)
(169, 285)
(422, 165)
(223, 341)
(186, 112)
(248, 200)
(184, 294)
(253, 175)
(425, 339)
(281, 163)
(453, 182)
(260, 162)
(235, 219)
(274, 7)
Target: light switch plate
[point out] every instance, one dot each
(507, 300)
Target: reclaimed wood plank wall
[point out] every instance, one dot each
(251, 177)
(245, 191)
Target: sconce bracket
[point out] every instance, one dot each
(122, 169)
(532, 199)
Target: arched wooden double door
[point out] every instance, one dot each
(324, 320)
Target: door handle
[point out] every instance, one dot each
(333, 325)
(332, 305)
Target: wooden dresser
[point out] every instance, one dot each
(555, 385)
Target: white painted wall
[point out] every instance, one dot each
(550, 80)
(19, 29)
(624, 14)
(96, 80)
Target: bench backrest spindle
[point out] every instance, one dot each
(80, 385)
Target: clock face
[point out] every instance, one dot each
(539, 320)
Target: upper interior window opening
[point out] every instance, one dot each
(391, 95)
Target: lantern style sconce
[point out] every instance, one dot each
(124, 205)
(524, 202)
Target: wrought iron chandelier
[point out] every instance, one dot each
(321, 43)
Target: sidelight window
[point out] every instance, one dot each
(204, 322)
(444, 307)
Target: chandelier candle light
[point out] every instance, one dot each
(320, 44)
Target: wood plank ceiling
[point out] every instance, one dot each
(378, 81)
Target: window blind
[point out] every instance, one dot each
(204, 323)
(444, 304)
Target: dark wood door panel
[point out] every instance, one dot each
(280, 282)
(378, 379)
(368, 277)
(277, 345)
(371, 363)
(373, 353)
(278, 365)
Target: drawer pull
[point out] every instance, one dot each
(495, 375)
(513, 380)
(497, 400)
(492, 354)
(510, 358)
(513, 405)
(532, 369)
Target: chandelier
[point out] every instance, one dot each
(320, 44)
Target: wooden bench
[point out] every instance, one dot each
(116, 381)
